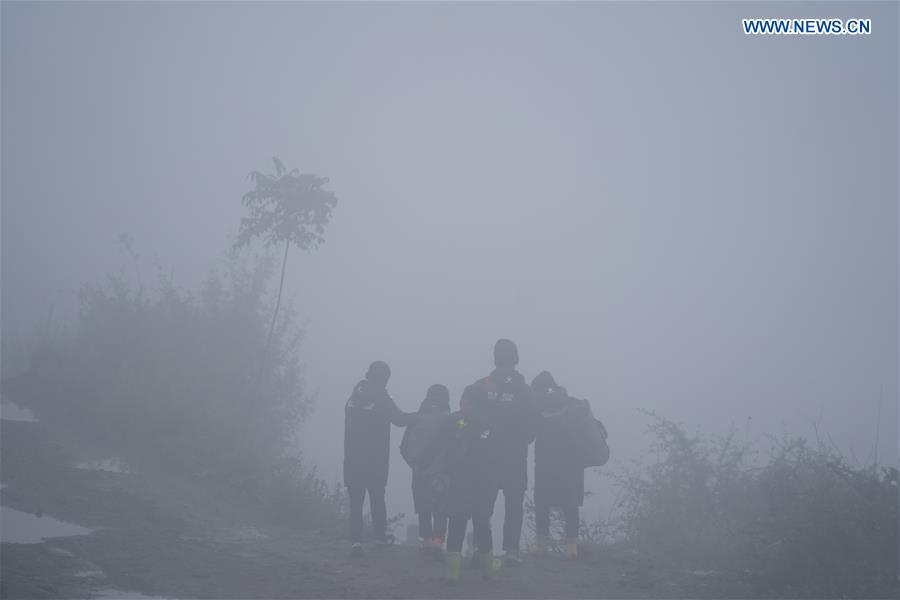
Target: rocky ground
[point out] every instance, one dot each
(156, 535)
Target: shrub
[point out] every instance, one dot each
(171, 373)
(602, 532)
(803, 524)
(294, 492)
(176, 377)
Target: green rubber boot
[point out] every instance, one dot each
(454, 560)
(490, 564)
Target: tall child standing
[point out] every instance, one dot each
(368, 416)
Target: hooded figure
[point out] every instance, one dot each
(558, 464)
(367, 440)
(429, 418)
(432, 416)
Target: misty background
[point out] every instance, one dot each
(663, 212)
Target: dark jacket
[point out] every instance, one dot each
(459, 467)
(512, 418)
(430, 419)
(367, 434)
(417, 436)
(558, 470)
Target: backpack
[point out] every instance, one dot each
(418, 435)
(589, 436)
(466, 446)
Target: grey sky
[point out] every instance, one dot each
(665, 213)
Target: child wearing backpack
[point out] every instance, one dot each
(430, 418)
(558, 463)
(462, 470)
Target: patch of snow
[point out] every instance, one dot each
(19, 527)
(699, 573)
(111, 594)
(90, 573)
(12, 412)
(110, 465)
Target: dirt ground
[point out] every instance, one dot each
(164, 537)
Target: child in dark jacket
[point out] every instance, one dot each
(460, 456)
(558, 467)
(429, 420)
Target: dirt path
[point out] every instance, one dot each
(176, 539)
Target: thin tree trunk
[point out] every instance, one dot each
(287, 246)
(265, 352)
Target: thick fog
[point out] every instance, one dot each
(665, 213)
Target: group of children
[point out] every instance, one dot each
(461, 460)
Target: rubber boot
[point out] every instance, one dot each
(571, 548)
(454, 561)
(489, 564)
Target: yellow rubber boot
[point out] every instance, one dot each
(454, 560)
